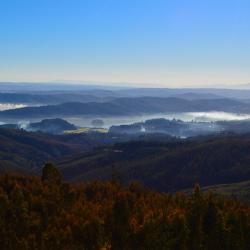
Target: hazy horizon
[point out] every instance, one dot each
(128, 85)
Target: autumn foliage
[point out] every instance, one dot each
(45, 213)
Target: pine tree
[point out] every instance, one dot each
(51, 174)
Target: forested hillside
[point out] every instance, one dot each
(166, 166)
(46, 213)
(27, 152)
(159, 162)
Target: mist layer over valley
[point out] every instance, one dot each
(8, 106)
(81, 105)
(87, 121)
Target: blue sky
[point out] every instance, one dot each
(172, 43)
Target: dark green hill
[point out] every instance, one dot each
(50, 126)
(27, 151)
(166, 166)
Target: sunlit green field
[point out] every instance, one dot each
(86, 130)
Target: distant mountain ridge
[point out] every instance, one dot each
(50, 98)
(131, 106)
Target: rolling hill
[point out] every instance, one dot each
(27, 152)
(166, 166)
(130, 106)
(161, 163)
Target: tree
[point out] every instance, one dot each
(121, 229)
(51, 174)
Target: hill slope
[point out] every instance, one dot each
(166, 166)
(27, 152)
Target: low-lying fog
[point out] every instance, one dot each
(194, 116)
(7, 106)
(109, 121)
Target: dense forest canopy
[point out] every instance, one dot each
(46, 213)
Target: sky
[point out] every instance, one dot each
(171, 43)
